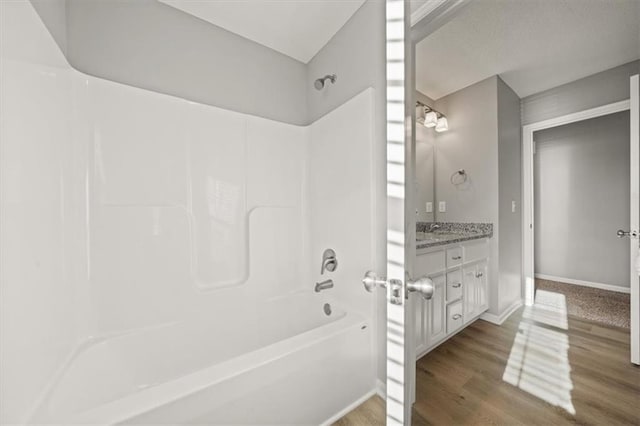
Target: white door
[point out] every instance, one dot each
(400, 342)
(634, 225)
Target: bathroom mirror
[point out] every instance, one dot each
(425, 177)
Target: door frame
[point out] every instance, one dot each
(528, 230)
(634, 245)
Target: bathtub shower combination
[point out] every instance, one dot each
(159, 257)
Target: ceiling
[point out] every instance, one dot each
(533, 45)
(298, 29)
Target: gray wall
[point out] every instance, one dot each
(595, 90)
(581, 173)
(356, 54)
(471, 143)
(147, 44)
(509, 189)
(484, 139)
(53, 14)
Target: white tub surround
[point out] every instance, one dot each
(199, 371)
(159, 256)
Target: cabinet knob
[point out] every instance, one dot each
(456, 285)
(479, 274)
(456, 317)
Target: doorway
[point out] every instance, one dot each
(561, 181)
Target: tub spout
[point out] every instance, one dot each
(324, 285)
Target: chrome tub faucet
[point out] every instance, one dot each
(324, 285)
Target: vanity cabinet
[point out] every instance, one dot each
(460, 277)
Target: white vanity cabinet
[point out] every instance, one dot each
(460, 277)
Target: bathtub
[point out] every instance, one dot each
(287, 362)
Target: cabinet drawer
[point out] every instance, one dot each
(429, 263)
(476, 250)
(454, 285)
(454, 316)
(454, 256)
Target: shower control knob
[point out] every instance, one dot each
(371, 280)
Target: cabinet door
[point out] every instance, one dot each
(436, 326)
(482, 301)
(470, 294)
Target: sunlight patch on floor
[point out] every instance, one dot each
(539, 360)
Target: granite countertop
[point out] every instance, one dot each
(450, 232)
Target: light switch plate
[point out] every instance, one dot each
(429, 207)
(442, 206)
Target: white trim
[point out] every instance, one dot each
(499, 319)
(528, 271)
(424, 10)
(349, 408)
(634, 214)
(579, 116)
(601, 286)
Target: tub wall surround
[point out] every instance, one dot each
(148, 231)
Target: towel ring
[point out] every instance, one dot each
(455, 180)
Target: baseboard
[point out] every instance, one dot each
(601, 286)
(381, 389)
(349, 408)
(499, 319)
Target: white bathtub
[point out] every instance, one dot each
(286, 363)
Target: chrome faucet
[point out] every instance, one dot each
(324, 285)
(433, 227)
(329, 261)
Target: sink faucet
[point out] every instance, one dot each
(324, 285)
(433, 227)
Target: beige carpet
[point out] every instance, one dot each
(608, 307)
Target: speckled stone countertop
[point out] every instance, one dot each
(450, 232)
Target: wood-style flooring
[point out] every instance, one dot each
(461, 381)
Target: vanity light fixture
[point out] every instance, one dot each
(432, 118)
(442, 125)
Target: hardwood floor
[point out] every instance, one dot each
(461, 382)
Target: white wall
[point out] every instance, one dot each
(188, 203)
(581, 186)
(342, 198)
(39, 286)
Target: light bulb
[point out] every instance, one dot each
(430, 119)
(442, 124)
